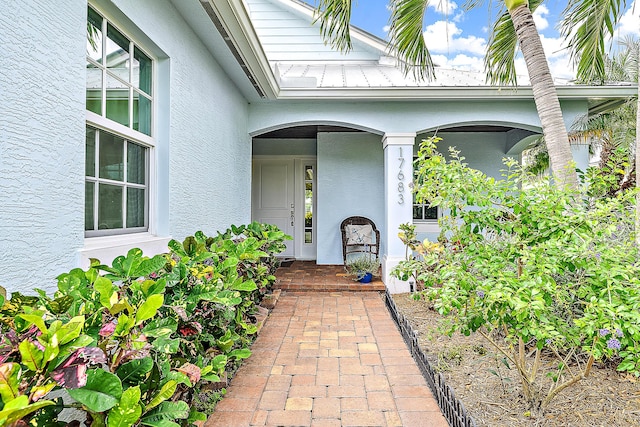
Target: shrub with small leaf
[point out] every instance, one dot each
(538, 268)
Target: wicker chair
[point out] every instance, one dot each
(372, 248)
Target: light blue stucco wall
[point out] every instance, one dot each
(482, 151)
(210, 151)
(402, 116)
(350, 183)
(203, 153)
(42, 110)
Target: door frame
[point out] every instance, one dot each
(301, 250)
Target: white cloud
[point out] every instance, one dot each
(539, 17)
(445, 7)
(630, 22)
(460, 62)
(386, 28)
(560, 64)
(444, 37)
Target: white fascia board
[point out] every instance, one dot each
(449, 93)
(234, 16)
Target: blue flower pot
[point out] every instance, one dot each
(366, 278)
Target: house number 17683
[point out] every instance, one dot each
(400, 179)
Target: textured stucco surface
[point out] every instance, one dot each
(42, 109)
(203, 150)
(482, 151)
(350, 183)
(210, 152)
(401, 116)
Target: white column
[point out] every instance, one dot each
(580, 152)
(398, 175)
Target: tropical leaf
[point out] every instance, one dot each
(61, 304)
(246, 286)
(149, 308)
(9, 382)
(135, 371)
(101, 393)
(167, 411)
(166, 391)
(127, 412)
(32, 356)
(160, 327)
(19, 408)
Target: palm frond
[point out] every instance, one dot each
(499, 61)
(334, 17)
(585, 26)
(406, 38)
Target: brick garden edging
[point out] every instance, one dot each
(452, 408)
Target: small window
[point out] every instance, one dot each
(422, 211)
(116, 184)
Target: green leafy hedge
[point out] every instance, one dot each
(552, 271)
(135, 343)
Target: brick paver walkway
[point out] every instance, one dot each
(329, 359)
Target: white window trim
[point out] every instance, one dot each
(106, 248)
(427, 226)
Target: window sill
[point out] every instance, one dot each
(109, 247)
(427, 226)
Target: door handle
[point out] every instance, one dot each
(293, 217)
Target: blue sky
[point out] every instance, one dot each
(457, 38)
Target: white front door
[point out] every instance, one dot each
(283, 194)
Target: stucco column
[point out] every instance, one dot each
(398, 175)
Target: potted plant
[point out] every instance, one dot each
(363, 268)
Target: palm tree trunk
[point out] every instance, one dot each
(638, 155)
(545, 96)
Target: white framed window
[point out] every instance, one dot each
(119, 132)
(116, 184)
(422, 212)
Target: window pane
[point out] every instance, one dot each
(117, 100)
(417, 212)
(308, 173)
(141, 113)
(109, 207)
(135, 207)
(94, 89)
(94, 35)
(308, 237)
(111, 164)
(89, 191)
(90, 152)
(141, 71)
(430, 213)
(117, 53)
(136, 163)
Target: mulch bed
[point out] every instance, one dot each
(490, 389)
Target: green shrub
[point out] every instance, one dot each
(548, 269)
(133, 343)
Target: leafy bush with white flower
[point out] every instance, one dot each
(550, 270)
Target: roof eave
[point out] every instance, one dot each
(233, 22)
(454, 93)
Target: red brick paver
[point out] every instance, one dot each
(329, 359)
